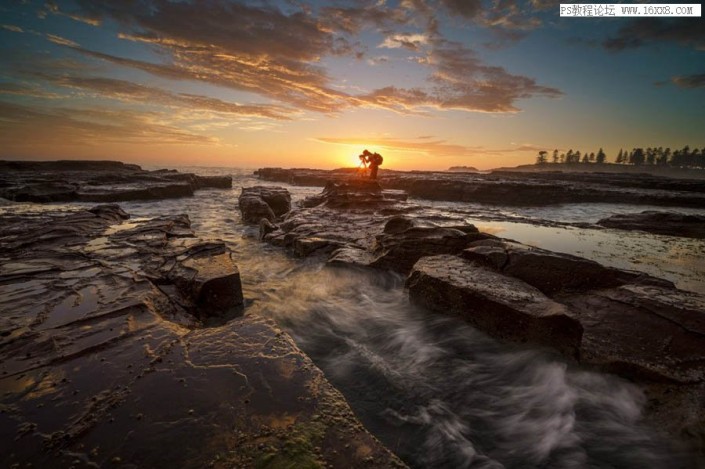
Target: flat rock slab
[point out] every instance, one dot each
(104, 360)
(664, 223)
(503, 307)
(642, 332)
(96, 181)
(550, 271)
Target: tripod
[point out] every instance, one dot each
(362, 168)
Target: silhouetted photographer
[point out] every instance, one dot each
(372, 161)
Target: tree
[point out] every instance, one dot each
(586, 158)
(699, 159)
(600, 157)
(555, 155)
(667, 156)
(541, 159)
(637, 156)
(592, 157)
(569, 156)
(620, 157)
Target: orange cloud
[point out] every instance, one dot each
(426, 144)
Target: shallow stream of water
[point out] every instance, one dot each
(434, 390)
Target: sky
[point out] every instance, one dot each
(429, 84)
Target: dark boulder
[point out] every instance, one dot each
(260, 202)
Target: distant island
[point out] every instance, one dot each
(463, 169)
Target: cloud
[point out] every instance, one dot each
(639, 32)
(427, 144)
(372, 61)
(62, 41)
(360, 15)
(133, 92)
(50, 6)
(12, 27)
(262, 50)
(461, 81)
(20, 124)
(24, 89)
(408, 41)
(690, 81)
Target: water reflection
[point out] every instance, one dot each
(680, 260)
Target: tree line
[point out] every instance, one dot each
(683, 158)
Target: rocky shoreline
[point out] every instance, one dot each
(627, 323)
(121, 337)
(97, 181)
(515, 188)
(113, 325)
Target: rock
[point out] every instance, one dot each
(644, 332)
(406, 240)
(350, 222)
(346, 216)
(503, 307)
(278, 199)
(355, 193)
(351, 257)
(110, 212)
(215, 286)
(260, 202)
(96, 181)
(550, 271)
(266, 227)
(492, 256)
(254, 209)
(663, 223)
(102, 316)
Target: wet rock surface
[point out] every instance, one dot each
(506, 308)
(628, 323)
(96, 181)
(358, 223)
(122, 345)
(515, 188)
(665, 223)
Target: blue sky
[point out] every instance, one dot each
(428, 83)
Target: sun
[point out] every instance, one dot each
(349, 156)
